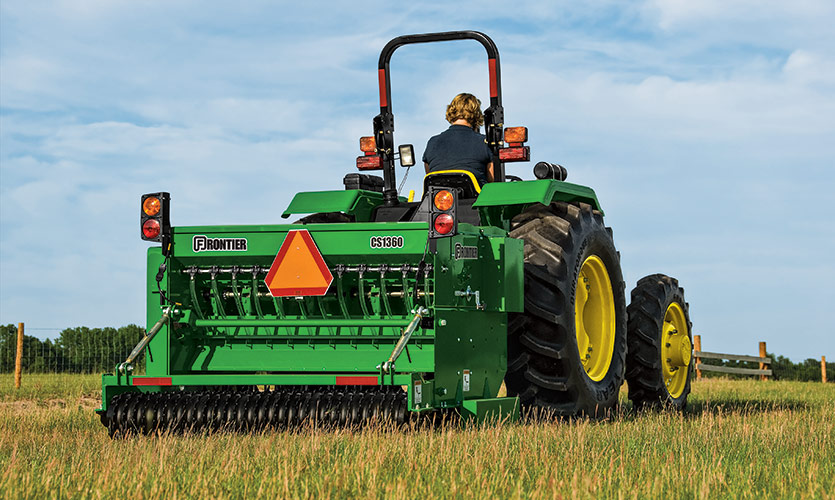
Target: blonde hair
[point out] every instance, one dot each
(468, 107)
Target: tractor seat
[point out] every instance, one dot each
(463, 180)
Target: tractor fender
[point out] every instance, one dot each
(545, 191)
(356, 202)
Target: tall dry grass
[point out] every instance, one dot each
(739, 439)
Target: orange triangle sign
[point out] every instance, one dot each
(298, 269)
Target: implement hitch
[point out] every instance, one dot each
(388, 365)
(127, 365)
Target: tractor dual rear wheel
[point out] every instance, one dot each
(566, 352)
(659, 362)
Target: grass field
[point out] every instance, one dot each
(738, 439)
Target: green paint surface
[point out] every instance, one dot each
(501, 194)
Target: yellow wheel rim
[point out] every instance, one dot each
(594, 318)
(675, 350)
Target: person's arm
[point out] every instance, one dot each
(490, 172)
(426, 167)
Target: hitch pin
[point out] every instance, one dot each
(127, 366)
(388, 366)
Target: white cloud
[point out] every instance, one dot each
(675, 14)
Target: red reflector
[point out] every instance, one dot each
(151, 380)
(443, 223)
(494, 81)
(150, 228)
(369, 162)
(356, 380)
(381, 74)
(515, 154)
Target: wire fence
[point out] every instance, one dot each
(74, 350)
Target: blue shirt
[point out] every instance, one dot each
(459, 148)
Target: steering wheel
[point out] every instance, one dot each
(513, 178)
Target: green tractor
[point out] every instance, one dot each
(376, 307)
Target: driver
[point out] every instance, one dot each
(461, 147)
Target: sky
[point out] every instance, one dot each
(706, 128)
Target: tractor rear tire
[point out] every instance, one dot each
(563, 244)
(659, 362)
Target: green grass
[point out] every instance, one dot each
(739, 439)
(49, 386)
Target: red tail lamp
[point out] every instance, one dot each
(372, 162)
(154, 222)
(520, 153)
(442, 213)
(515, 137)
(151, 229)
(444, 223)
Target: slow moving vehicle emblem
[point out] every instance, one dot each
(299, 268)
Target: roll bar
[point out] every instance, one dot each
(384, 122)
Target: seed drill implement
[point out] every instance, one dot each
(373, 306)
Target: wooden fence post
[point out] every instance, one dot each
(762, 365)
(823, 369)
(697, 343)
(18, 360)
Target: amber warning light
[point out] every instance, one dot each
(516, 134)
(368, 144)
(443, 200)
(371, 161)
(515, 137)
(442, 213)
(151, 206)
(153, 218)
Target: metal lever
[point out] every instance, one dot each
(388, 366)
(470, 293)
(127, 366)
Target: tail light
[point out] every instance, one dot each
(153, 219)
(515, 137)
(519, 153)
(151, 230)
(443, 220)
(443, 224)
(371, 160)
